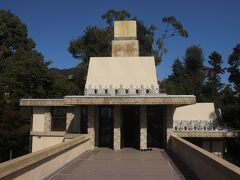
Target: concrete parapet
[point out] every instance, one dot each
(204, 164)
(40, 164)
(208, 134)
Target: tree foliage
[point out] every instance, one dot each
(213, 83)
(112, 15)
(234, 68)
(230, 94)
(188, 75)
(174, 28)
(13, 35)
(23, 74)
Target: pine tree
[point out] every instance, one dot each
(213, 82)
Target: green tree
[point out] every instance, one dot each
(23, 74)
(188, 75)
(194, 70)
(112, 15)
(175, 83)
(174, 28)
(234, 68)
(230, 106)
(230, 94)
(13, 35)
(213, 82)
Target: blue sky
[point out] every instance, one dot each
(214, 25)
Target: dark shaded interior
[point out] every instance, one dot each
(106, 126)
(130, 127)
(155, 126)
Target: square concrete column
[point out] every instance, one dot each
(169, 118)
(69, 119)
(91, 131)
(47, 119)
(117, 128)
(96, 125)
(143, 127)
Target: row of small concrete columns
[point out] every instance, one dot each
(121, 91)
(93, 126)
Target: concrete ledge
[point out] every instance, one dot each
(136, 100)
(112, 100)
(42, 102)
(17, 167)
(204, 164)
(208, 134)
(48, 134)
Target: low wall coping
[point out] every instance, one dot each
(112, 100)
(208, 134)
(19, 163)
(220, 161)
(48, 134)
(42, 102)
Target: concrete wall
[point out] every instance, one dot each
(38, 119)
(41, 123)
(41, 164)
(42, 142)
(198, 111)
(195, 117)
(204, 164)
(128, 72)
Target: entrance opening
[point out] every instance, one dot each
(106, 126)
(130, 127)
(155, 126)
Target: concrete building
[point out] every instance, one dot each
(122, 105)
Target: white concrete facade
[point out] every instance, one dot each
(123, 79)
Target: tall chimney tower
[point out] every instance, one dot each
(125, 43)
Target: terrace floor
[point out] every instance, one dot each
(106, 164)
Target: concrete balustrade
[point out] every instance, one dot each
(204, 164)
(40, 164)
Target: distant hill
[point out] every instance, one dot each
(65, 72)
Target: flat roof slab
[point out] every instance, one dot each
(112, 100)
(130, 100)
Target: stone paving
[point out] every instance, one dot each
(106, 164)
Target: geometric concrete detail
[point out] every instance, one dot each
(117, 128)
(143, 127)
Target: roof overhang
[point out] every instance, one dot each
(112, 100)
(42, 102)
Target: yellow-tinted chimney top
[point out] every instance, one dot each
(125, 29)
